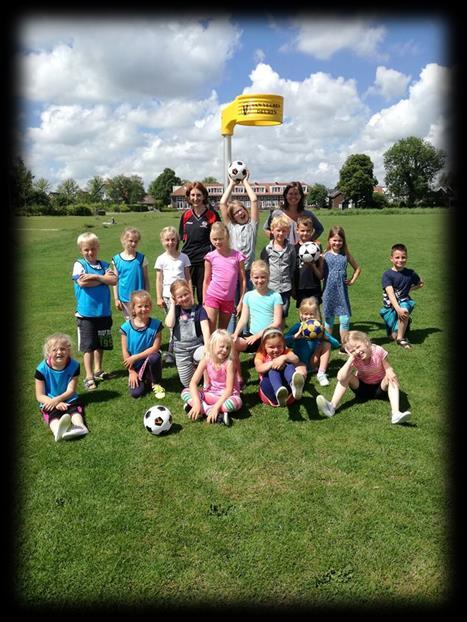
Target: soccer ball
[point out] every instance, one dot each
(309, 251)
(157, 420)
(311, 329)
(237, 170)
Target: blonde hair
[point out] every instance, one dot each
(310, 305)
(179, 284)
(259, 265)
(139, 294)
(52, 340)
(170, 231)
(270, 333)
(305, 221)
(356, 336)
(130, 231)
(280, 221)
(217, 336)
(219, 227)
(87, 238)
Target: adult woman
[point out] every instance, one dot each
(194, 230)
(293, 207)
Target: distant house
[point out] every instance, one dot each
(269, 194)
(337, 200)
(149, 201)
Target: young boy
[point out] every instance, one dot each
(92, 279)
(308, 275)
(280, 256)
(397, 284)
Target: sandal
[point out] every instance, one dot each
(89, 384)
(158, 391)
(404, 343)
(101, 375)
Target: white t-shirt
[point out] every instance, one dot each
(172, 268)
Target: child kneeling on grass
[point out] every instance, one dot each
(56, 378)
(220, 394)
(282, 374)
(368, 373)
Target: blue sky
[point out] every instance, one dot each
(106, 96)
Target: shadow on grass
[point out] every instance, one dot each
(99, 395)
(404, 404)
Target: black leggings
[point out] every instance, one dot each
(197, 278)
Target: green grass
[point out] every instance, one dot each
(285, 508)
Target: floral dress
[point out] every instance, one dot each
(335, 292)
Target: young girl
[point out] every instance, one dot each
(368, 373)
(282, 374)
(312, 352)
(308, 275)
(56, 378)
(190, 329)
(223, 269)
(141, 340)
(170, 265)
(221, 393)
(195, 226)
(335, 291)
(131, 268)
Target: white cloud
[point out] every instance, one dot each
(389, 83)
(111, 60)
(324, 37)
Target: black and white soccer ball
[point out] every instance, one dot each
(309, 251)
(157, 420)
(237, 170)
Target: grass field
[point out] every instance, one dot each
(283, 509)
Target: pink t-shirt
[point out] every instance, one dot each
(225, 271)
(371, 371)
(218, 379)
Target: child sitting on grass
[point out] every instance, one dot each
(56, 378)
(368, 373)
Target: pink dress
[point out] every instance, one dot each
(225, 271)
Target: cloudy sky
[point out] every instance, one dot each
(133, 95)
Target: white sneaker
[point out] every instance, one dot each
(63, 425)
(400, 417)
(75, 431)
(282, 396)
(325, 407)
(297, 383)
(323, 379)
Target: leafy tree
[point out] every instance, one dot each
(411, 165)
(318, 195)
(161, 187)
(68, 191)
(20, 185)
(209, 180)
(123, 189)
(95, 189)
(357, 181)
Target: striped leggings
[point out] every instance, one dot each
(232, 403)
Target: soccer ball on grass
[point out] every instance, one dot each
(311, 329)
(157, 420)
(309, 251)
(237, 170)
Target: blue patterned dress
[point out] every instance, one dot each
(335, 292)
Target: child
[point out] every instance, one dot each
(223, 269)
(281, 373)
(397, 284)
(279, 254)
(221, 393)
(171, 265)
(92, 279)
(308, 275)
(190, 329)
(242, 226)
(141, 341)
(261, 309)
(335, 292)
(131, 268)
(56, 378)
(195, 226)
(312, 352)
(368, 373)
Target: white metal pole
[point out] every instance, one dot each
(227, 158)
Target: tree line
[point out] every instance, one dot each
(412, 167)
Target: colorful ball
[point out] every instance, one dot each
(311, 329)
